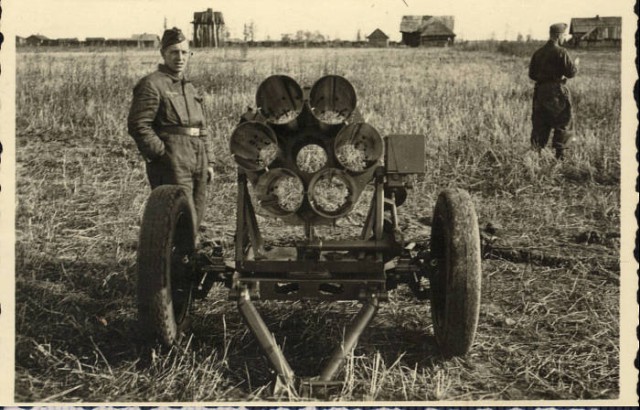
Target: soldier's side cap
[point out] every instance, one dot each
(172, 36)
(558, 28)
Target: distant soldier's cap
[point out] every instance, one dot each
(172, 36)
(558, 28)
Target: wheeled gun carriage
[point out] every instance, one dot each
(277, 177)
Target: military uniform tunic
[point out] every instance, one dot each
(550, 67)
(166, 121)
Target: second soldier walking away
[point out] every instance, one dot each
(167, 122)
(550, 68)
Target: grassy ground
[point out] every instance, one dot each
(549, 318)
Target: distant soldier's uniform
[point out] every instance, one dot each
(550, 67)
(167, 122)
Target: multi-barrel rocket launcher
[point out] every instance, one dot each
(305, 155)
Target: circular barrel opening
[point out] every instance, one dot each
(311, 158)
(279, 99)
(253, 145)
(332, 99)
(332, 193)
(280, 192)
(358, 146)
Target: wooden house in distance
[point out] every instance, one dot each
(429, 31)
(378, 39)
(36, 40)
(146, 40)
(208, 29)
(596, 31)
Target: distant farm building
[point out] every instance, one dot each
(433, 31)
(95, 41)
(596, 31)
(36, 40)
(208, 29)
(121, 42)
(378, 39)
(68, 42)
(235, 41)
(146, 40)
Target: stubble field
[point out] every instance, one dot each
(549, 321)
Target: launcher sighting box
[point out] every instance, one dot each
(305, 155)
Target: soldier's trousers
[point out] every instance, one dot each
(551, 111)
(184, 163)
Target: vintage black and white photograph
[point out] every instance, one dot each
(400, 201)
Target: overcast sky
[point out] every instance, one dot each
(474, 19)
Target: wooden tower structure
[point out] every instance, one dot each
(208, 29)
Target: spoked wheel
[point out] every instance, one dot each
(165, 277)
(455, 287)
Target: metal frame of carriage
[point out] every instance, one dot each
(172, 272)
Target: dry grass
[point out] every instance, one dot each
(311, 158)
(330, 117)
(330, 193)
(267, 154)
(549, 317)
(289, 191)
(285, 118)
(351, 157)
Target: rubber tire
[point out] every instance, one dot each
(165, 285)
(455, 287)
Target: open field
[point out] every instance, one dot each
(549, 321)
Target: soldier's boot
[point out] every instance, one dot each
(539, 138)
(561, 138)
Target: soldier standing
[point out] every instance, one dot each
(166, 120)
(550, 68)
